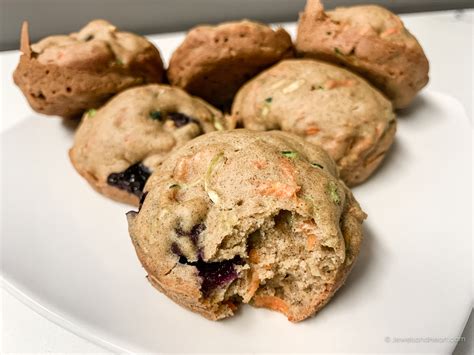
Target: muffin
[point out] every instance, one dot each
(68, 74)
(371, 41)
(282, 234)
(328, 106)
(118, 146)
(214, 61)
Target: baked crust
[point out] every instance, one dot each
(370, 40)
(204, 210)
(327, 105)
(133, 128)
(70, 75)
(214, 61)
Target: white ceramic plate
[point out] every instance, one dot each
(66, 250)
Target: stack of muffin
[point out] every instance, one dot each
(259, 215)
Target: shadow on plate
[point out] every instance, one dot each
(418, 103)
(394, 155)
(71, 124)
(358, 273)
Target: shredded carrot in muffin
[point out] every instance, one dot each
(311, 240)
(254, 258)
(288, 169)
(260, 164)
(308, 229)
(253, 286)
(332, 84)
(272, 302)
(390, 31)
(277, 189)
(312, 130)
(233, 307)
(280, 189)
(181, 169)
(186, 167)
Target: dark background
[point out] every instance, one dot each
(48, 17)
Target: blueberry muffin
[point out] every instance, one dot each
(326, 105)
(247, 217)
(370, 40)
(118, 146)
(214, 61)
(66, 75)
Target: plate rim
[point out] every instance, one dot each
(57, 319)
(62, 321)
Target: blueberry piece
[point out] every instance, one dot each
(180, 232)
(142, 199)
(200, 253)
(131, 213)
(193, 234)
(196, 231)
(179, 119)
(176, 250)
(132, 180)
(214, 274)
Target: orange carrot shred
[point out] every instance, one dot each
(278, 189)
(288, 169)
(311, 241)
(272, 302)
(312, 130)
(181, 169)
(332, 84)
(260, 164)
(254, 283)
(233, 307)
(253, 256)
(390, 31)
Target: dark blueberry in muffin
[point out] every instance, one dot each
(142, 199)
(214, 274)
(196, 231)
(193, 234)
(179, 119)
(176, 250)
(131, 213)
(132, 180)
(180, 232)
